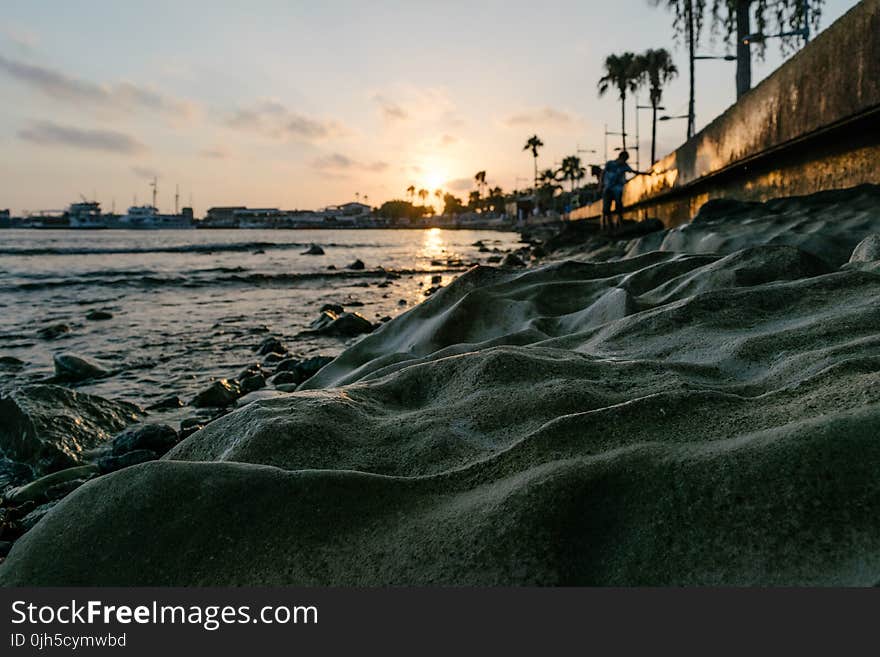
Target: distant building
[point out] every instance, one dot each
(260, 218)
(5, 219)
(222, 217)
(354, 209)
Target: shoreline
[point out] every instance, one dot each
(659, 407)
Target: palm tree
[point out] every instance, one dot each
(423, 194)
(621, 72)
(572, 169)
(480, 179)
(777, 17)
(411, 192)
(533, 144)
(659, 70)
(549, 184)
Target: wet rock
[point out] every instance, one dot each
(172, 401)
(333, 308)
(73, 368)
(512, 260)
(252, 383)
(431, 290)
(313, 249)
(493, 259)
(357, 264)
(539, 251)
(436, 279)
(331, 267)
(5, 547)
(297, 371)
(257, 396)
(868, 250)
(52, 486)
(47, 426)
(386, 318)
(484, 249)
(401, 302)
(219, 394)
(272, 359)
(158, 438)
(354, 304)
(271, 346)
(190, 425)
(346, 324)
(53, 331)
(99, 315)
(258, 252)
(109, 464)
(10, 363)
(286, 377)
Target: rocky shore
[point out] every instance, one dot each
(688, 406)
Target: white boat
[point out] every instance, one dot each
(86, 215)
(147, 216)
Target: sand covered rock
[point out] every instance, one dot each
(663, 419)
(827, 224)
(49, 427)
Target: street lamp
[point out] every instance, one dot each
(615, 134)
(670, 118)
(653, 132)
(726, 58)
(758, 37)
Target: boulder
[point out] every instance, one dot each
(868, 250)
(158, 438)
(297, 371)
(512, 260)
(73, 368)
(51, 486)
(345, 324)
(11, 363)
(172, 401)
(333, 308)
(357, 264)
(99, 315)
(53, 331)
(252, 382)
(313, 249)
(271, 346)
(47, 427)
(219, 394)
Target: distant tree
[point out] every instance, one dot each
(452, 205)
(572, 170)
(411, 192)
(398, 209)
(548, 184)
(423, 194)
(496, 200)
(474, 201)
(659, 70)
(480, 179)
(733, 18)
(533, 144)
(622, 72)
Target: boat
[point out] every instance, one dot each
(147, 216)
(86, 214)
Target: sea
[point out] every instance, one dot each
(191, 306)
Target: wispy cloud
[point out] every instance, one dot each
(390, 110)
(121, 96)
(544, 116)
(273, 119)
(47, 133)
(339, 163)
(23, 39)
(144, 172)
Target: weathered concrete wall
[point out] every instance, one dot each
(813, 124)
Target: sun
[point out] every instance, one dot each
(434, 179)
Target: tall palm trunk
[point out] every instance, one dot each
(743, 51)
(623, 117)
(653, 131)
(692, 53)
(536, 173)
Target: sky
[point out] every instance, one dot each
(299, 105)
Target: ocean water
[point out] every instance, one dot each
(190, 306)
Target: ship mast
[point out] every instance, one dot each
(155, 186)
(176, 198)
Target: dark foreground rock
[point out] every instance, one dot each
(48, 427)
(344, 325)
(294, 371)
(158, 438)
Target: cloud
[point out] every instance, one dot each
(24, 40)
(47, 133)
(273, 119)
(123, 96)
(546, 116)
(144, 172)
(460, 184)
(391, 111)
(339, 163)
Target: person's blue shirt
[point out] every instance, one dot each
(615, 174)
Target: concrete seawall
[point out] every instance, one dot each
(814, 124)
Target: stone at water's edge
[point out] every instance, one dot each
(73, 368)
(48, 426)
(158, 438)
(219, 394)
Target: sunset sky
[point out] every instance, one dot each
(301, 105)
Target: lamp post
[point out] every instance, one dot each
(653, 129)
(670, 118)
(615, 134)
